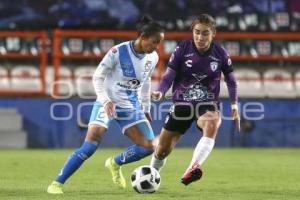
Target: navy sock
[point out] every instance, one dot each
(132, 154)
(75, 160)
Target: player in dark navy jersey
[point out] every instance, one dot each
(195, 69)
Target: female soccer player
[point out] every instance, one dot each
(122, 78)
(195, 69)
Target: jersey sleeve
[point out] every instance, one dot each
(226, 63)
(146, 88)
(230, 79)
(175, 58)
(105, 67)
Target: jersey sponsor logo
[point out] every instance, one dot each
(195, 92)
(132, 84)
(189, 63)
(214, 66)
(199, 77)
(189, 55)
(214, 58)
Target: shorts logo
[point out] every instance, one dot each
(214, 66)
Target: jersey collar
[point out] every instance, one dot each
(139, 56)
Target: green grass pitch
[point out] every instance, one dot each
(241, 174)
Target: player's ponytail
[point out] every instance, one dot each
(146, 19)
(147, 26)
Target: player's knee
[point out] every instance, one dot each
(95, 133)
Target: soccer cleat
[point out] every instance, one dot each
(116, 172)
(55, 188)
(192, 174)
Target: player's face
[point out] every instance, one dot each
(203, 36)
(151, 43)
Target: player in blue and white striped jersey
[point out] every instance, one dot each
(122, 84)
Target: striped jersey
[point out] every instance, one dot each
(125, 74)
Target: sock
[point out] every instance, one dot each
(157, 163)
(202, 150)
(75, 160)
(132, 154)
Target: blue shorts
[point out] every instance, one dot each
(126, 117)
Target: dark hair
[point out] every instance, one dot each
(204, 19)
(147, 26)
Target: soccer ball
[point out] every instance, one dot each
(145, 179)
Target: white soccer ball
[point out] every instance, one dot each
(145, 179)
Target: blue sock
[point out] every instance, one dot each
(132, 154)
(75, 160)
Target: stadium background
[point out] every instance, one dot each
(49, 51)
(50, 48)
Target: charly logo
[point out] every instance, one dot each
(214, 66)
(189, 63)
(132, 84)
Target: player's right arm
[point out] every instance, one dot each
(169, 76)
(104, 68)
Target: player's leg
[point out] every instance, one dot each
(209, 122)
(177, 122)
(138, 129)
(96, 130)
(76, 159)
(143, 137)
(166, 143)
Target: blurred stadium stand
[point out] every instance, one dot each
(56, 66)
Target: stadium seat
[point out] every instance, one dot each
(65, 82)
(169, 46)
(26, 78)
(233, 47)
(83, 81)
(297, 83)
(249, 77)
(278, 83)
(4, 79)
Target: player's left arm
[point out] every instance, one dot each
(231, 83)
(145, 98)
(146, 91)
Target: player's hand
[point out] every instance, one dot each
(236, 117)
(156, 95)
(110, 110)
(149, 117)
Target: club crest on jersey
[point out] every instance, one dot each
(214, 66)
(148, 65)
